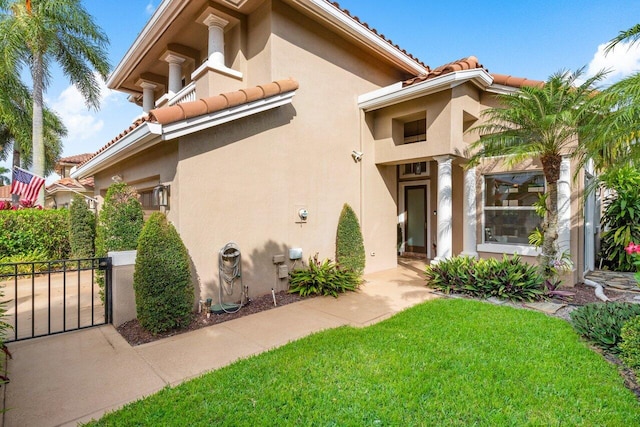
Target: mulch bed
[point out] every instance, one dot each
(136, 335)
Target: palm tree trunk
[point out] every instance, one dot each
(551, 166)
(15, 199)
(38, 134)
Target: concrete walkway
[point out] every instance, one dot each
(74, 377)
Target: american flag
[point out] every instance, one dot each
(26, 184)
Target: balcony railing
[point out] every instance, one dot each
(186, 94)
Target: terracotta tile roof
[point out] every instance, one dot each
(122, 134)
(471, 63)
(203, 106)
(166, 115)
(5, 192)
(82, 184)
(75, 159)
(468, 63)
(518, 82)
(374, 31)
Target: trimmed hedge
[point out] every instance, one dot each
(120, 220)
(349, 243)
(162, 277)
(28, 231)
(630, 344)
(82, 228)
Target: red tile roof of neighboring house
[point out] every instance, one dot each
(471, 63)
(75, 159)
(200, 107)
(5, 192)
(174, 113)
(74, 184)
(374, 31)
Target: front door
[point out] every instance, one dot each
(415, 197)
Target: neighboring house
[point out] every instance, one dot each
(317, 110)
(60, 193)
(5, 193)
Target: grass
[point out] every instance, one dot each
(445, 362)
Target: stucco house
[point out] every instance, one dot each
(60, 193)
(259, 109)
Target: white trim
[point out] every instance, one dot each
(144, 136)
(502, 89)
(159, 22)
(564, 207)
(210, 65)
(497, 248)
(149, 134)
(327, 12)
(188, 126)
(402, 220)
(393, 94)
(120, 258)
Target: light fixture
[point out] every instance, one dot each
(161, 195)
(91, 203)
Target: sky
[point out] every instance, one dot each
(524, 38)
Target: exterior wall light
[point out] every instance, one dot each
(161, 195)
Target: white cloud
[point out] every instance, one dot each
(621, 62)
(150, 8)
(82, 124)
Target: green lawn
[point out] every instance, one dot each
(445, 362)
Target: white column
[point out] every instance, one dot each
(564, 206)
(148, 96)
(216, 38)
(175, 73)
(444, 209)
(469, 232)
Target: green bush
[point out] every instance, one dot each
(349, 244)
(82, 228)
(162, 277)
(37, 257)
(323, 278)
(26, 231)
(120, 220)
(601, 323)
(509, 278)
(621, 218)
(630, 343)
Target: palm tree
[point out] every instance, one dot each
(544, 122)
(4, 179)
(36, 33)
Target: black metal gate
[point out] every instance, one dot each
(51, 297)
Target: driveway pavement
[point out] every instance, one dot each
(74, 377)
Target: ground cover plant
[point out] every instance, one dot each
(602, 323)
(509, 278)
(444, 362)
(323, 278)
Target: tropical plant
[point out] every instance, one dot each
(509, 278)
(621, 218)
(601, 323)
(4, 179)
(162, 277)
(323, 278)
(544, 122)
(36, 33)
(349, 244)
(82, 228)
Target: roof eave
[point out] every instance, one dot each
(161, 18)
(143, 137)
(330, 14)
(395, 94)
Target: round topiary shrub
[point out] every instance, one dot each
(349, 242)
(82, 228)
(162, 277)
(120, 220)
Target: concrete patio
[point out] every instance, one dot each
(74, 377)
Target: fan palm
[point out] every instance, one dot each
(541, 122)
(36, 33)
